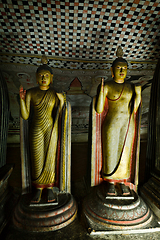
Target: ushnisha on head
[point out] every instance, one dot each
(119, 67)
(44, 74)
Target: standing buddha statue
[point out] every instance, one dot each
(117, 128)
(113, 202)
(46, 203)
(44, 131)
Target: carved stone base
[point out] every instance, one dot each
(106, 212)
(151, 193)
(45, 216)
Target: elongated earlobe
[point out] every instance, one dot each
(112, 72)
(51, 78)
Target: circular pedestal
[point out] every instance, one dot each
(115, 212)
(45, 217)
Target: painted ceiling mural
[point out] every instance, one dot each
(80, 29)
(80, 39)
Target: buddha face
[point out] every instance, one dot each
(119, 71)
(44, 78)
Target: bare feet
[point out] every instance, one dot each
(125, 189)
(37, 195)
(51, 196)
(111, 189)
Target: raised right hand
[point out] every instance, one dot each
(22, 93)
(102, 84)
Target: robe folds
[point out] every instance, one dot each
(131, 140)
(46, 158)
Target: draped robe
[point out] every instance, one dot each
(108, 152)
(44, 140)
(46, 144)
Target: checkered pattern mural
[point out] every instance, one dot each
(79, 29)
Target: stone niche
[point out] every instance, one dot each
(80, 103)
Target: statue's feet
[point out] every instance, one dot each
(37, 195)
(111, 189)
(51, 196)
(125, 189)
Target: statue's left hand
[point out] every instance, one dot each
(137, 97)
(22, 93)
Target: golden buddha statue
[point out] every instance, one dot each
(115, 128)
(113, 202)
(44, 130)
(46, 203)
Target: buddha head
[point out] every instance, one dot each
(44, 75)
(119, 67)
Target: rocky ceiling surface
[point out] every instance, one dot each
(80, 38)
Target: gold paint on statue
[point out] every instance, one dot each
(119, 52)
(44, 129)
(118, 127)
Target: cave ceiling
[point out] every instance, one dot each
(80, 39)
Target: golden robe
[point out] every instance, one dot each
(44, 140)
(111, 165)
(46, 150)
